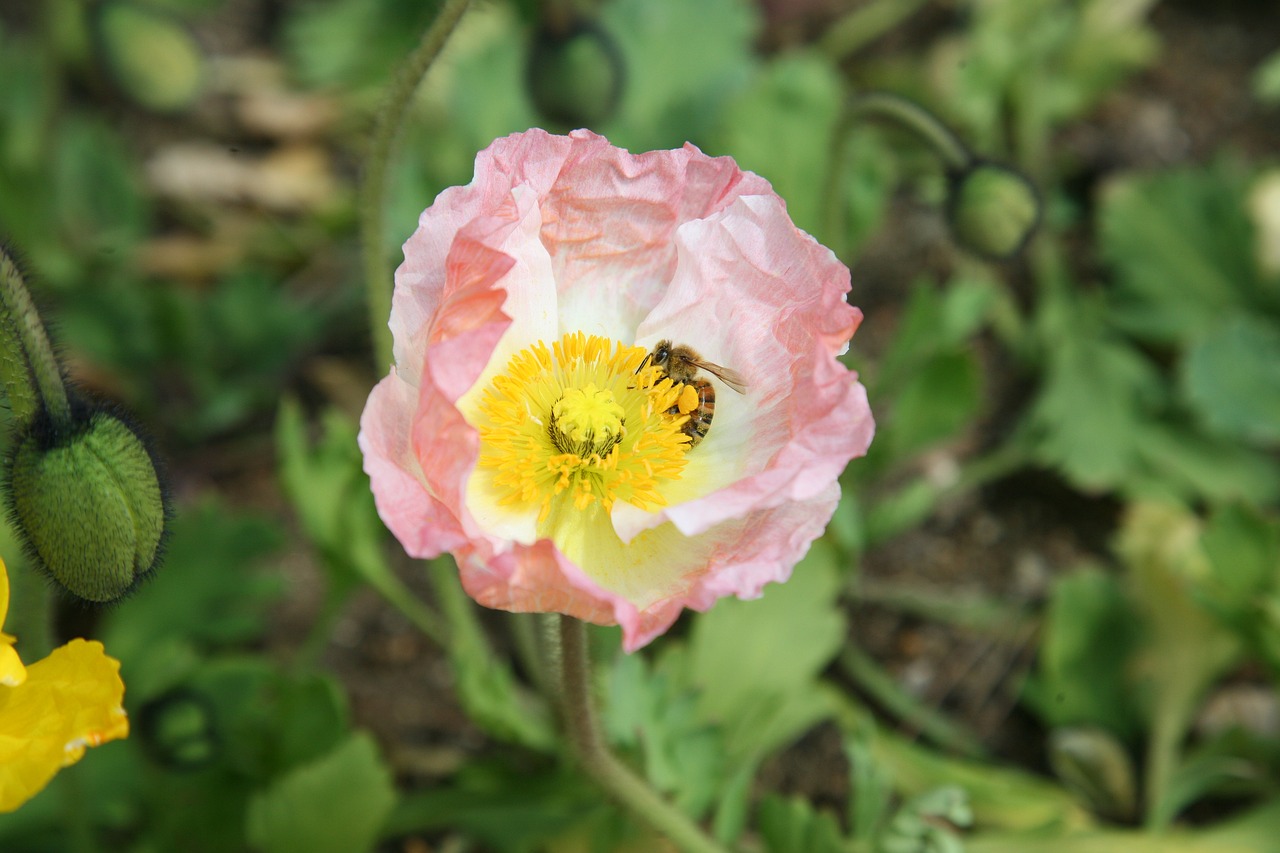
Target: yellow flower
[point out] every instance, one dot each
(52, 710)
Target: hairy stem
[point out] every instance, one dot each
(601, 764)
(373, 188)
(32, 379)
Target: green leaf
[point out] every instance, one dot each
(792, 825)
(652, 711)
(330, 492)
(1266, 80)
(870, 788)
(270, 722)
(937, 321)
(682, 62)
(1083, 661)
(939, 399)
(750, 679)
(506, 805)
(1243, 548)
(1181, 245)
(781, 128)
(1184, 649)
(210, 589)
(927, 823)
(1177, 462)
(353, 43)
(1232, 377)
(96, 189)
(336, 804)
(154, 59)
(1095, 392)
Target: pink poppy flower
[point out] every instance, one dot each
(522, 428)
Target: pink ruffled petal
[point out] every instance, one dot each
(566, 234)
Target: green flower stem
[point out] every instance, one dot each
(28, 369)
(910, 711)
(458, 609)
(373, 188)
(423, 616)
(917, 119)
(902, 112)
(600, 764)
(865, 24)
(75, 814)
(31, 616)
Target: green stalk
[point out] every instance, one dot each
(910, 711)
(617, 780)
(915, 118)
(373, 188)
(32, 379)
(31, 616)
(902, 112)
(865, 24)
(423, 616)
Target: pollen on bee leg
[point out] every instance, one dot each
(688, 400)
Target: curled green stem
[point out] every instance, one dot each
(589, 747)
(915, 118)
(902, 112)
(31, 376)
(373, 188)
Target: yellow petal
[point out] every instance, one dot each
(71, 700)
(12, 672)
(4, 593)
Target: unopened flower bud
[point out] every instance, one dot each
(993, 210)
(88, 503)
(575, 77)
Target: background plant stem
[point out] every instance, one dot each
(600, 763)
(373, 189)
(31, 375)
(913, 117)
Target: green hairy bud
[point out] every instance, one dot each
(993, 210)
(85, 494)
(89, 505)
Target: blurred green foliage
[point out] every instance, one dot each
(1132, 354)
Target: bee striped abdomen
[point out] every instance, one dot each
(700, 418)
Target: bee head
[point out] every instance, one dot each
(662, 353)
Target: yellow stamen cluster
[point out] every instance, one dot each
(575, 422)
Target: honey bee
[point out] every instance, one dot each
(681, 365)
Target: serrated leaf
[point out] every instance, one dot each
(1092, 400)
(1182, 248)
(650, 710)
(336, 804)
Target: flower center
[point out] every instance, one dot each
(586, 421)
(574, 425)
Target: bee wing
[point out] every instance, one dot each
(727, 375)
